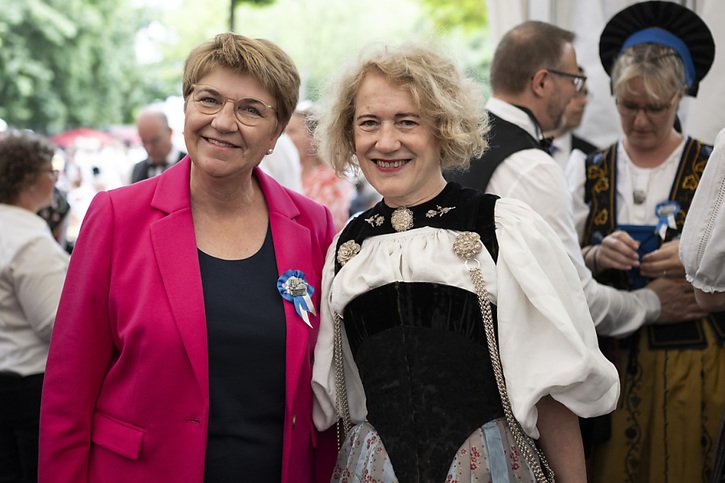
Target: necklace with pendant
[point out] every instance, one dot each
(640, 188)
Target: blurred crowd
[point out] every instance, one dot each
(403, 205)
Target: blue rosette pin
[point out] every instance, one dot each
(666, 212)
(294, 288)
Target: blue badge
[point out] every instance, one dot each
(666, 212)
(294, 288)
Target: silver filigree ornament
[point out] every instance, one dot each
(402, 219)
(375, 220)
(296, 286)
(439, 211)
(346, 251)
(468, 245)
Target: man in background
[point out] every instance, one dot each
(564, 140)
(155, 133)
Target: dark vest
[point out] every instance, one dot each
(600, 193)
(504, 139)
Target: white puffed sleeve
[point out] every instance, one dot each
(702, 246)
(324, 412)
(547, 340)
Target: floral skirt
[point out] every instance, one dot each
(488, 455)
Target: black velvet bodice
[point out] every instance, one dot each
(420, 348)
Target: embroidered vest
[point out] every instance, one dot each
(601, 194)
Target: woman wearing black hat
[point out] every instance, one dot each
(630, 204)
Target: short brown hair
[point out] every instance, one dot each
(522, 51)
(22, 156)
(453, 103)
(660, 68)
(260, 58)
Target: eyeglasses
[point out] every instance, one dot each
(578, 80)
(630, 109)
(248, 110)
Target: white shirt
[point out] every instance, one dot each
(32, 272)
(547, 341)
(534, 177)
(284, 164)
(702, 245)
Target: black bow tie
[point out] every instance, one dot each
(547, 144)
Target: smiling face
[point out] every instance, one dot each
(396, 148)
(219, 144)
(647, 124)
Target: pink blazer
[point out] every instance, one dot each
(126, 393)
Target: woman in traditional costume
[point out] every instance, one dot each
(454, 330)
(631, 200)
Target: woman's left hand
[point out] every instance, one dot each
(663, 262)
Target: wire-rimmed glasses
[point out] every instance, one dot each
(248, 110)
(652, 111)
(579, 80)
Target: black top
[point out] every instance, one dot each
(247, 335)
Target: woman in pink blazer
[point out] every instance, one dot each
(183, 343)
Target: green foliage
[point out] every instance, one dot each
(67, 63)
(469, 15)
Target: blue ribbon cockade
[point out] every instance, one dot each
(294, 288)
(666, 212)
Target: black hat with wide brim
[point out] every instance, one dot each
(665, 23)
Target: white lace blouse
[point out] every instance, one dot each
(702, 245)
(547, 340)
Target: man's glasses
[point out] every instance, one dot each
(248, 110)
(630, 109)
(578, 80)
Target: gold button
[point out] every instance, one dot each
(294, 420)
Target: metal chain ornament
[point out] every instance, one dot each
(467, 246)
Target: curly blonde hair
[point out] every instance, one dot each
(453, 103)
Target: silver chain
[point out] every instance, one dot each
(340, 389)
(532, 454)
(467, 246)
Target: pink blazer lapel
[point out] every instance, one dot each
(174, 245)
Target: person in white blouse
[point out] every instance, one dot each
(32, 271)
(702, 246)
(415, 289)
(630, 203)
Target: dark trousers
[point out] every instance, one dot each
(19, 421)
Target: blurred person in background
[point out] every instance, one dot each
(184, 338)
(32, 271)
(283, 164)
(319, 180)
(564, 141)
(156, 137)
(630, 203)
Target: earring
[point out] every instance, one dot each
(270, 150)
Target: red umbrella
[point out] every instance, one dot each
(69, 138)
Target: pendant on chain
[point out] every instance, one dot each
(639, 196)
